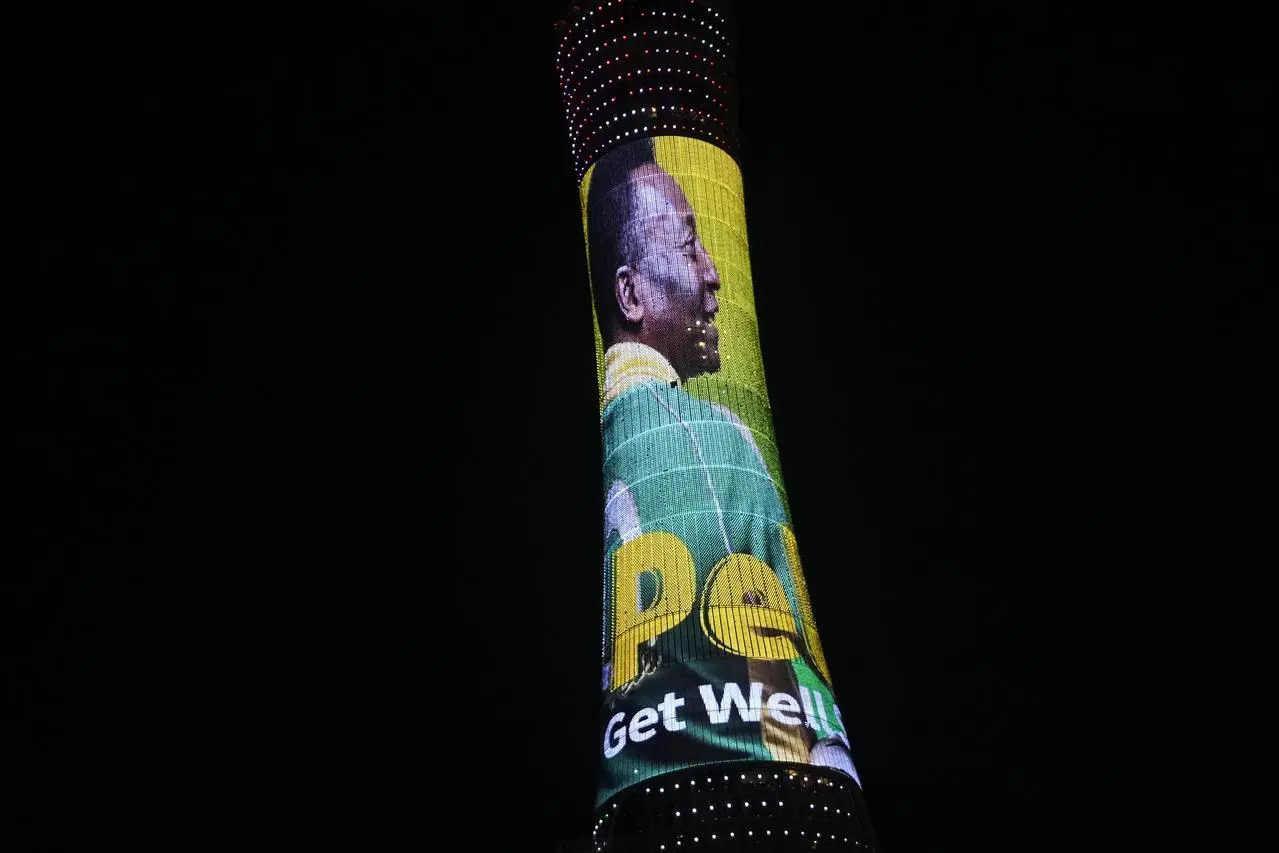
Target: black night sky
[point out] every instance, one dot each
(310, 410)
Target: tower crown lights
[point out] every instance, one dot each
(630, 68)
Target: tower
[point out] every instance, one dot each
(719, 728)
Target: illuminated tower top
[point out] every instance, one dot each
(627, 72)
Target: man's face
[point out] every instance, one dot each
(675, 278)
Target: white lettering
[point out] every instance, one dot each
(718, 711)
(619, 736)
(807, 699)
(667, 709)
(643, 718)
(783, 707)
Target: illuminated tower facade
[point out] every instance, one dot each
(719, 728)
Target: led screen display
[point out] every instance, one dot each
(710, 652)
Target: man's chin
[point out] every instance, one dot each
(706, 367)
(703, 363)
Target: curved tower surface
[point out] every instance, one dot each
(719, 728)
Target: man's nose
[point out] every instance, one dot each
(710, 284)
(710, 304)
(709, 273)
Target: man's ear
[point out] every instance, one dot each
(627, 294)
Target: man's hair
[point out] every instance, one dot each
(610, 203)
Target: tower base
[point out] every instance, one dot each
(757, 806)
